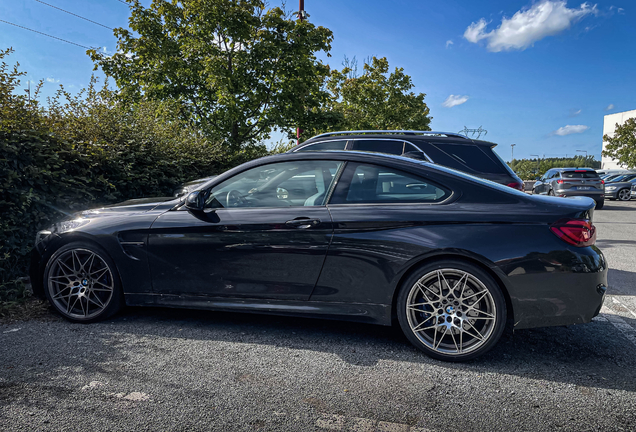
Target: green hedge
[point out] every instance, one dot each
(84, 151)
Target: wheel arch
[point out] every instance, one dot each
(481, 263)
(37, 274)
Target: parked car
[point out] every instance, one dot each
(633, 190)
(569, 182)
(619, 190)
(344, 235)
(620, 178)
(444, 148)
(190, 186)
(613, 171)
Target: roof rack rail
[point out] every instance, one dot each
(407, 132)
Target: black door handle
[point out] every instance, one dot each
(302, 223)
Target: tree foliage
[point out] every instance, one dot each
(234, 68)
(529, 169)
(622, 145)
(88, 150)
(376, 99)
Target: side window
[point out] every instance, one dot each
(462, 156)
(325, 145)
(373, 184)
(379, 146)
(285, 184)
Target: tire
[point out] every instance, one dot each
(624, 194)
(600, 204)
(82, 283)
(426, 316)
(551, 192)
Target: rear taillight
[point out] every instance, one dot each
(560, 181)
(579, 233)
(602, 181)
(518, 186)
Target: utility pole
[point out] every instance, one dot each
(301, 16)
(583, 151)
(512, 152)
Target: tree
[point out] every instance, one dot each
(236, 69)
(374, 100)
(622, 145)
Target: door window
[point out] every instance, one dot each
(285, 184)
(375, 184)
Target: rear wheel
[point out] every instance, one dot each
(82, 284)
(624, 194)
(551, 192)
(599, 204)
(451, 310)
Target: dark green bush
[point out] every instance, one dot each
(84, 151)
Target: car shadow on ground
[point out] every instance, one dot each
(596, 354)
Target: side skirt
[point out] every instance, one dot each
(359, 312)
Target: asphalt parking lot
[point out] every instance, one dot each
(159, 369)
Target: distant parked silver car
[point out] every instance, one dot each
(620, 190)
(568, 182)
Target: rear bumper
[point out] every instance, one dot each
(595, 195)
(569, 288)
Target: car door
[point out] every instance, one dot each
(373, 209)
(264, 234)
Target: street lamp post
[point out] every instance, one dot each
(583, 151)
(512, 152)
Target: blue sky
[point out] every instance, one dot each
(540, 74)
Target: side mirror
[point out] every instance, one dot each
(195, 201)
(537, 178)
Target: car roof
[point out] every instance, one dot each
(405, 136)
(575, 168)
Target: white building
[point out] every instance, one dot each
(609, 127)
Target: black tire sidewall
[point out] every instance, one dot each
(116, 300)
(479, 273)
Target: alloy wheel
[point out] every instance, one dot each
(624, 195)
(80, 284)
(451, 312)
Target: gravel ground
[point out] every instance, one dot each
(160, 369)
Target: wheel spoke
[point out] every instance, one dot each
(62, 264)
(420, 286)
(453, 337)
(97, 303)
(480, 337)
(418, 329)
(61, 296)
(106, 287)
(101, 273)
(440, 338)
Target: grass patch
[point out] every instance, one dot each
(18, 304)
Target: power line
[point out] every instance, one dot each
(75, 15)
(39, 32)
(122, 1)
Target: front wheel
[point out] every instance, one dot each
(82, 284)
(451, 310)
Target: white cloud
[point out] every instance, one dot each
(449, 43)
(574, 113)
(609, 107)
(454, 100)
(52, 80)
(545, 18)
(570, 129)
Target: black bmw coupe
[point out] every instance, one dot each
(343, 235)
